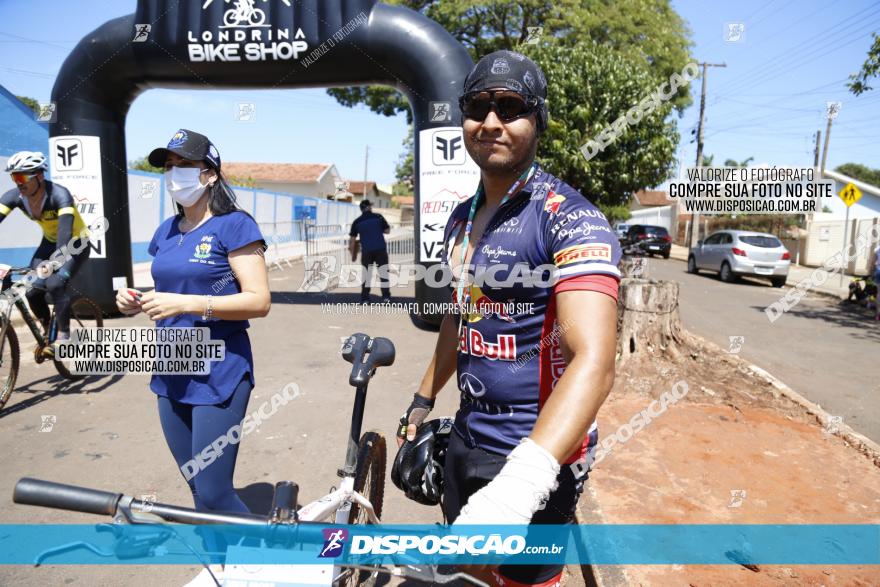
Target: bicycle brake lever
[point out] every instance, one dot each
(68, 547)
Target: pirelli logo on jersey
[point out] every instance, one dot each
(596, 252)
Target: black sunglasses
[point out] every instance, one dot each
(508, 105)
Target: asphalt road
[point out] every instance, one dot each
(826, 352)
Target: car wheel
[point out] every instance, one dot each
(727, 276)
(692, 265)
(778, 281)
(666, 255)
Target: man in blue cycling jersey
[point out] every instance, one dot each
(52, 207)
(534, 360)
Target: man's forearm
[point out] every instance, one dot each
(573, 406)
(443, 363)
(65, 230)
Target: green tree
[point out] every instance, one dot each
(647, 30)
(860, 172)
(404, 169)
(30, 103)
(870, 68)
(143, 165)
(735, 163)
(593, 86)
(614, 214)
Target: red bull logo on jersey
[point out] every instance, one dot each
(552, 203)
(473, 343)
(597, 252)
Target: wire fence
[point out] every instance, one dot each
(326, 250)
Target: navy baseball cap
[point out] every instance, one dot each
(189, 145)
(507, 69)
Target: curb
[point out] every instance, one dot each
(860, 442)
(589, 511)
(814, 290)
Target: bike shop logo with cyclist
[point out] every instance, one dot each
(245, 33)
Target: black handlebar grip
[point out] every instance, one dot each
(65, 497)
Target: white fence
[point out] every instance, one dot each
(659, 216)
(826, 238)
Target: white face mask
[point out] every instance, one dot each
(184, 185)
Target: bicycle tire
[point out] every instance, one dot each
(370, 469)
(11, 343)
(86, 314)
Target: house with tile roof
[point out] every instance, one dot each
(318, 180)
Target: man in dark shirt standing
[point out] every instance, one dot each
(371, 227)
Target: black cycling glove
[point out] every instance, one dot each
(415, 414)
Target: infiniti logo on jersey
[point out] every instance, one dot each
(471, 384)
(510, 225)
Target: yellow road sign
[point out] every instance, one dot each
(850, 194)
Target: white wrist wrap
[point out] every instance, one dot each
(519, 489)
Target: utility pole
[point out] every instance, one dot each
(833, 109)
(816, 149)
(366, 158)
(695, 225)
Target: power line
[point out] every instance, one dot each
(30, 40)
(766, 16)
(809, 57)
(27, 72)
(795, 50)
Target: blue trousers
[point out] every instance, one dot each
(189, 429)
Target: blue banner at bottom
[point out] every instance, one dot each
(433, 544)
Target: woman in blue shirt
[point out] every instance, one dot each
(208, 270)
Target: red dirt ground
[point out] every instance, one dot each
(731, 432)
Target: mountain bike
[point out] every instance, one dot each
(357, 501)
(84, 313)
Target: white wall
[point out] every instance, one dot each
(658, 216)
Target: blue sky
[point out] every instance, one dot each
(766, 104)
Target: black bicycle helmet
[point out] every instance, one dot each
(418, 466)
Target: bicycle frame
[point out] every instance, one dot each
(41, 338)
(338, 500)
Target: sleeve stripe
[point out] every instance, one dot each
(587, 268)
(65, 210)
(4, 209)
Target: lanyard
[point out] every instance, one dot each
(514, 189)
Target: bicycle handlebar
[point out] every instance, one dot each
(38, 492)
(65, 497)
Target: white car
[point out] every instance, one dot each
(733, 253)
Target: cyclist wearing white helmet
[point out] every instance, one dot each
(52, 207)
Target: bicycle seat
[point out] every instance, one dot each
(366, 354)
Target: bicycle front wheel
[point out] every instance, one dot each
(9, 357)
(84, 313)
(369, 481)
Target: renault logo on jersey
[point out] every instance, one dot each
(448, 147)
(68, 155)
